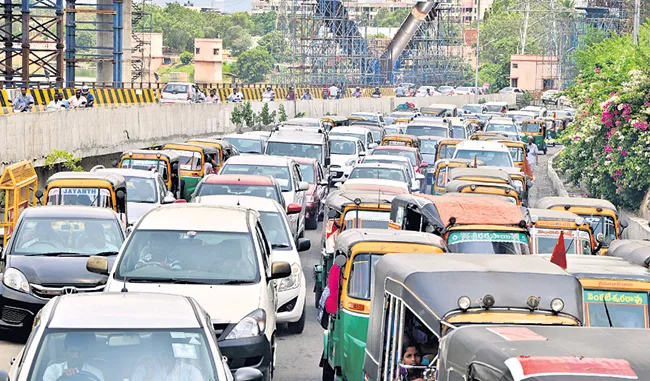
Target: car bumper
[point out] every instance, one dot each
(291, 303)
(312, 209)
(346, 173)
(17, 309)
(248, 352)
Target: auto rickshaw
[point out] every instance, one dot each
(446, 148)
(504, 191)
(493, 226)
(616, 292)
(517, 151)
(537, 129)
(165, 161)
(635, 251)
(401, 140)
(542, 353)
(225, 150)
(488, 136)
(546, 225)
(419, 299)
(482, 174)
(333, 121)
(359, 250)
(192, 164)
(520, 181)
(104, 190)
(18, 187)
(600, 214)
(348, 209)
(438, 175)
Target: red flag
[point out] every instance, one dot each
(526, 168)
(559, 252)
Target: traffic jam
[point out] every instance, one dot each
(182, 261)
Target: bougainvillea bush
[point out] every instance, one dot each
(607, 148)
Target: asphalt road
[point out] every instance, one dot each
(298, 355)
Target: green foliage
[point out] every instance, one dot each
(495, 75)
(300, 114)
(248, 115)
(481, 101)
(186, 58)
(236, 116)
(282, 114)
(263, 23)
(67, 159)
(390, 19)
(527, 99)
(237, 40)
(253, 65)
(267, 118)
(277, 45)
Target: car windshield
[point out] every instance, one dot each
(620, 309)
(442, 132)
(264, 191)
(531, 127)
(361, 137)
(508, 128)
(311, 151)
(378, 173)
(491, 158)
(458, 132)
(175, 88)
(362, 275)
(473, 109)
(276, 230)
(446, 151)
(205, 257)
(397, 152)
(428, 146)
(141, 190)
(281, 174)
(463, 89)
(493, 107)
(67, 236)
(80, 196)
(245, 145)
(161, 354)
(601, 224)
(367, 219)
(189, 160)
(308, 173)
(343, 147)
(372, 118)
(488, 242)
(392, 130)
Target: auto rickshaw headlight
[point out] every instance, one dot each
(580, 221)
(557, 305)
(464, 303)
(534, 219)
(488, 301)
(533, 302)
(472, 187)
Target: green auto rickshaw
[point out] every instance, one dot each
(537, 129)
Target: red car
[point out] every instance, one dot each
(244, 185)
(413, 154)
(313, 173)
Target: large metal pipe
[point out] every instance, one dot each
(404, 34)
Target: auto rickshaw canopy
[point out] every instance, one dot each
(338, 200)
(66, 179)
(346, 240)
(632, 250)
(482, 174)
(169, 155)
(406, 140)
(18, 184)
(488, 136)
(568, 202)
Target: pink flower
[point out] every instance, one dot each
(618, 172)
(641, 126)
(597, 70)
(607, 148)
(623, 152)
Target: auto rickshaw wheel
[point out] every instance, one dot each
(545, 150)
(318, 292)
(328, 372)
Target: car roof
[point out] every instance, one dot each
(379, 165)
(68, 211)
(482, 145)
(261, 160)
(136, 310)
(500, 120)
(387, 157)
(395, 148)
(196, 217)
(305, 160)
(365, 113)
(291, 136)
(128, 172)
(349, 129)
(239, 179)
(261, 204)
(445, 105)
(343, 137)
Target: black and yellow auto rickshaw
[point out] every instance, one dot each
(419, 299)
(500, 353)
(103, 190)
(438, 175)
(536, 129)
(520, 181)
(225, 150)
(446, 148)
(192, 164)
(546, 226)
(166, 162)
(359, 250)
(401, 140)
(333, 121)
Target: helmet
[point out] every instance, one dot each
(84, 89)
(268, 87)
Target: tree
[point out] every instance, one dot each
(253, 65)
(237, 40)
(263, 23)
(390, 19)
(275, 43)
(282, 113)
(67, 159)
(267, 118)
(186, 58)
(248, 115)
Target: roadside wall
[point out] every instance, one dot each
(103, 131)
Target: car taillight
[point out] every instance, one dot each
(188, 96)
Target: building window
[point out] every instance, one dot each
(215, 51)
(515, 66)
(514, 82)
(198, 50)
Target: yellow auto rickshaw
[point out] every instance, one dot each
(18, 184)
(165, 161)
(446, 148)
(192, 163)
(546, 226)
(438, 175)
(225, 150)
(103, 190)
(488, 136)
(401, 140)
(506, 191)
(333, 121)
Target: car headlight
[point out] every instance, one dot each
(251, 325)
(350, 162)
(292, 281)
(15, 280)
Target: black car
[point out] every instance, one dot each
(46, 256)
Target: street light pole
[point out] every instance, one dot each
(478, 42)
(637, 16)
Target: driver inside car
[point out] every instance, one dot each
(75, 348)
(156, 254)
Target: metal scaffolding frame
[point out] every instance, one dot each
(32, 31)
(141, 50)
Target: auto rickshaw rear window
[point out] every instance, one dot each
(189, 160)
(531, 127)
(145, 164)
(367, 219)
(80, 196)
(362, 275)
(617, 309)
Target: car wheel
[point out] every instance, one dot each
(299, 326)
(321, 212)
(318, 292)
(328, 372)
(312, 223)
(269, 374)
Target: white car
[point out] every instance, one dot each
(181, 92)
(132, 332)
(218, 255)
(369, 116)
(504, 126)
(511, 90)
(293, 289)
(395, 129)
(246, 143)
(551, 96)
(286, 172)
(541, 112)
(463, 91)
(345, 153)
(489, 152)
(362, 133)
(422, 91)
(416, 178)
(446, 90)
(145, 190)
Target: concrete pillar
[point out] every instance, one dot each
(105, 40)
(127, 8)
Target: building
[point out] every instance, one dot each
(532, 72)
(150, 53)
(208, 60)
(470, 9)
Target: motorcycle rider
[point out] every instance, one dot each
(357, 93)
(77, 100)
(268, 95)
(90, 99)
(23, 102)
(236, 96)
(333, 92)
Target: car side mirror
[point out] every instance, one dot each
(120, 194)
(38, 194)
(294, 208)
(624, 224)
(304, 244)
(97, 265)
(600, 237)
(328, 161)
(247, 374)
(280, 270)
(303, 186)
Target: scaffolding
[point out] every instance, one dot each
(141, 36)
(32, 31)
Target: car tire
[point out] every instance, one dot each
(545, 151)
(321, 212)
(328, 372)
(312, 223)
(318, 292)
(299, 326)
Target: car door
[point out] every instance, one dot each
(360, 149)
(300, 195)
(321, 190)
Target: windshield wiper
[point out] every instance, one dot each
(280, 246)
(163, 280)
(60, 254)
(234, 281)
(106, 253)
